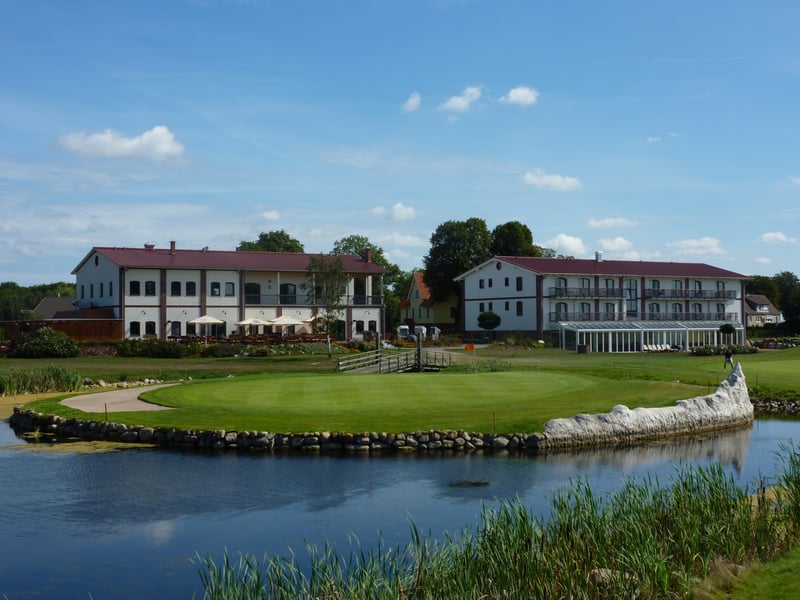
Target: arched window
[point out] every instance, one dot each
(252, 293)
(610, 310)
(561, 285)
(561, 310)
(586, 311)
(585, 286)
(697, 311)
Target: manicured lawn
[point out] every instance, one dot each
(513, 390)
(512, 401)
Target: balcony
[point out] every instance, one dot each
(650, 293)
(303, 300)
(631, 316)
(579, 292)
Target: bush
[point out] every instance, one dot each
(153, 348)
(720, 350)
(45, 343)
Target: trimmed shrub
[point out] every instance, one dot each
(45, 343)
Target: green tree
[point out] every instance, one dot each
(513, 239)
(765, 286)
(789, 298)
(489, 321)
(15, 300)
(456, 247)
(395, 281)
(272, 241)
(327, 285)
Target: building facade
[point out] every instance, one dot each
(157, 292)
(605, 305)
(417, 308)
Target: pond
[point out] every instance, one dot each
(127, 524)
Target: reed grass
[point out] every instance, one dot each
(646, 540)
(51, 378)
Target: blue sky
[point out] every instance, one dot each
(648, 130)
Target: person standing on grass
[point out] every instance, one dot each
(728, 359)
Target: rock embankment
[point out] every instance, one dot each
(729, 406)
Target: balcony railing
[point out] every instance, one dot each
(689, 294)
(606, 316)
(591, 292)
(304, 300)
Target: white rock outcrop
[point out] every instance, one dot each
(729, 406)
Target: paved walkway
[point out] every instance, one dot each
(116, 400)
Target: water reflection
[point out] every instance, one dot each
(130, 521)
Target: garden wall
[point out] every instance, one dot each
(729, 406)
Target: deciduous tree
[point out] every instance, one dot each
(272, 241)
(513, 239)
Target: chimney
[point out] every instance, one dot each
(368, 257)
(598, 255)
(172, 247)
(149, 246)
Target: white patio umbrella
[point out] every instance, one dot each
(284, 321)
(205, 321)
(252, 322)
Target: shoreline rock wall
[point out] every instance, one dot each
(728, 407)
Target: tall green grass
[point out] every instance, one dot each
(643, 541)
(52, 378)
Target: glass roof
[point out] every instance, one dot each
(645, 325)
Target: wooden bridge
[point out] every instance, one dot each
(377, 361)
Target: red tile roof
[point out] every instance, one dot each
(166, 258)
(580, 266)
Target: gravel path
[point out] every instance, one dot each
(116, 400)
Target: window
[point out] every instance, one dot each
(519, 308)
(610, 284)
(175, 288)
(610, 310)
(83, 292)
(372, 325)
(110, 288)
(481, 307)
(215, 288)
(561, 285)
(586, 311)
(490, 282)
(506, 281)
(91, 290)
(491, 308)
(175, 328)
(229, 288)
(561, 310)
(677, 284)
(136, 330)
(654, 309)
(508, 304)
(149, 327)
(101, 289)
(655, 284)
(252, 293)
(288, 293)
(149, 288)
(677, 308)
(480, 283)
(519, 284)
(697, 310)
(359, 326)
(134, 288)
(584, 284)
(631, 296)
(721, 312)
(191, 288)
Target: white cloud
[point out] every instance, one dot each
(413, 103)
(610, 222)
(553, 182)
(524, 96)
(159, 143)
(794, 180)
(762, 260)
(776, 237)
(464, 101)
(704, 245)
(617, 244)
(398, 212)
(654, 139)
(567, 244)
(270, 215)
